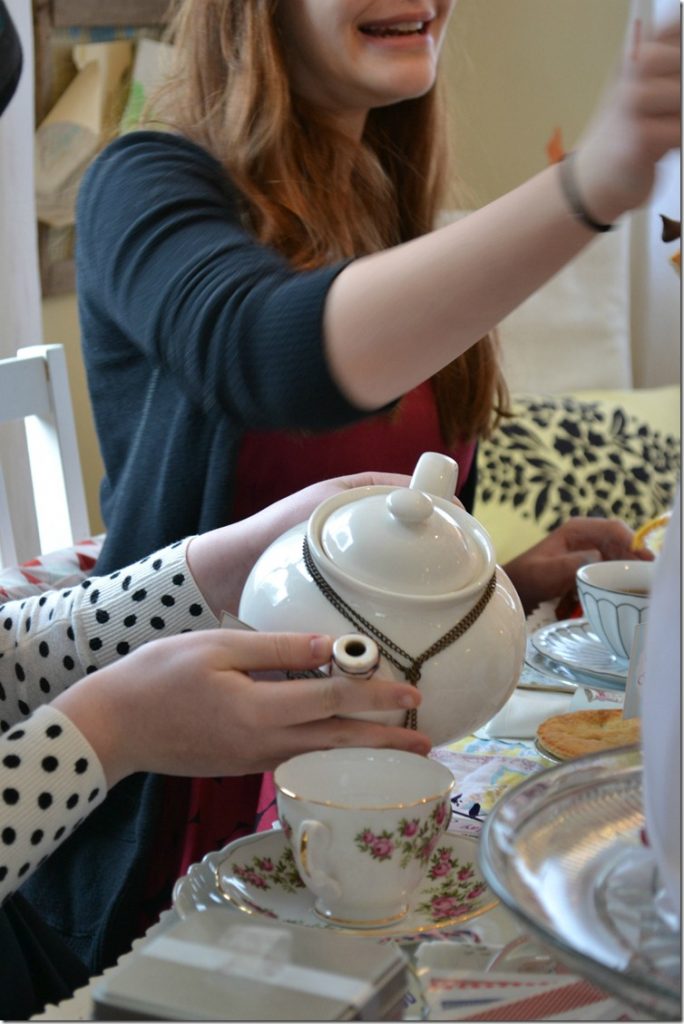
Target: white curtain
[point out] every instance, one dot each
(20, 300)
(656, 321)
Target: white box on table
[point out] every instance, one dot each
(219, 965)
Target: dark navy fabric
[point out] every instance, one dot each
(36, 967)
(185, 323)
(188, 330)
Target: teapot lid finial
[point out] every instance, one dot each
(409, 506)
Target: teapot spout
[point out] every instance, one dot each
(435, 474)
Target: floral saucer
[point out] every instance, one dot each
(257, 874)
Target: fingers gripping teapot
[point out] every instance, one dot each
(415, 572)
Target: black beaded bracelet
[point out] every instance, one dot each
(573, 197)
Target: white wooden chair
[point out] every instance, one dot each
(34, 387)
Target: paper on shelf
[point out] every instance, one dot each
(75, 129)
(152, 65)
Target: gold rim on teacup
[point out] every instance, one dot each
(442, 794)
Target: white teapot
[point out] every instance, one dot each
(418, 574)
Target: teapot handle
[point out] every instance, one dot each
(435, 474)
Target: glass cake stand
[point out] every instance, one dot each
(565, 851)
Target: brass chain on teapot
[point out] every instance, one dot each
(411, 672)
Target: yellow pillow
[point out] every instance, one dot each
(587, 453)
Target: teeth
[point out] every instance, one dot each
(401, 28)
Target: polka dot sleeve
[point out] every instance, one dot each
(50, 779)
(49, 642)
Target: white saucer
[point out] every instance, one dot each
(257, 874)
(571, 643)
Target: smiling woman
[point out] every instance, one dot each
(344, 56)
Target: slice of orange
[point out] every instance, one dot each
(651, 534)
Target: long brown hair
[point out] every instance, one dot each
(310, 191)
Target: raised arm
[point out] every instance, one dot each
(395, 318)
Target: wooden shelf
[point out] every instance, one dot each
(97, 13)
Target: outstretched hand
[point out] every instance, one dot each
(547, 570)
(638, 123)
(186, 705)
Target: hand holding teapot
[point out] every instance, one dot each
(416, 573)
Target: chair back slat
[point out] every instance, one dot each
(34, 387)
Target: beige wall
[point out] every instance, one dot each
(516, 70)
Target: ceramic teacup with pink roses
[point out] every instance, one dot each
(363, 825)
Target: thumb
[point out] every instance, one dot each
(576, 559)
(251, 651)
(566, 566)
(560, 572)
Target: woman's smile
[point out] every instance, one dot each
(349, 56)
(406, 30)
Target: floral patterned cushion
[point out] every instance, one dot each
(51, 571)
(583, 454)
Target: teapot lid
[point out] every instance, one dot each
(406, 540)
